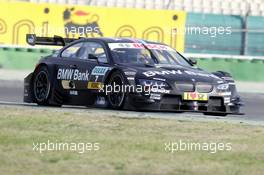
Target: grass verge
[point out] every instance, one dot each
(126, 145)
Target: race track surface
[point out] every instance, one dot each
(11, 93)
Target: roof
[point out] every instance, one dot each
(123, 40)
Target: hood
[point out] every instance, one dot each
(175, 73)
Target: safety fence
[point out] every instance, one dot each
(186, 32)
(224, 34)
(192, 33)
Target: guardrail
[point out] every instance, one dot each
(216, 56)
(243, 68)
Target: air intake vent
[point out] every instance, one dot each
(184, 87)
(204, 88)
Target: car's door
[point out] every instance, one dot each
(79, 61)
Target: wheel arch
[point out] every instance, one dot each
(40, 65)
(222, 74)
(230, 80)
(114, 72)
(108, 76)
(54, 83)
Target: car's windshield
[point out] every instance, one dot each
(137, 53)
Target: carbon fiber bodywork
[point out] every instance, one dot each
(191, 89)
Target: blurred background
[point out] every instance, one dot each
(223, 35)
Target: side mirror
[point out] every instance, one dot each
(193, 61)
(92, 57)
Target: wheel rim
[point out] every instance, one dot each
(41, 86)
(116, 98)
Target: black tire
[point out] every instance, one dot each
(116, 100)
(215, 114)
(42, 86)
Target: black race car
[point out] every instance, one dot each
(124, 73)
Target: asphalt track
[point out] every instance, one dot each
(11, 93)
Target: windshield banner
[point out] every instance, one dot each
(113, 46)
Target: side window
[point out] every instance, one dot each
(83, 49)
(97, 50)
(72, 51)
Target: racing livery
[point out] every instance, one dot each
(124, 73)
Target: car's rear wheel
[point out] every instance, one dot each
(116, 98)
(41, 86)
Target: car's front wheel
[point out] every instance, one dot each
(116, 98)
(41, 86)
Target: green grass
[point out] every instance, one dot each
(127, 145)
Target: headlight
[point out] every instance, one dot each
(222, 87)
(153, 83)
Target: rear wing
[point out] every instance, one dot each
(33, 40)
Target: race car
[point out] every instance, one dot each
(126, 73)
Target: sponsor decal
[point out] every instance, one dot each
(139, 46)
(194, 96)
(131, 78)
(177, 72)
(159, 79)
(95, 85)
(72, 74)
(165, 72)
(227, 100)
(163, 91)
(130, 73)
(26, 93)
(224, 93)
(74, 93)
(113, 46)
(155, 96)
(68, 84)
(99, 70)
(159, 47)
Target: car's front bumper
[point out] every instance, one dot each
(175, 102)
